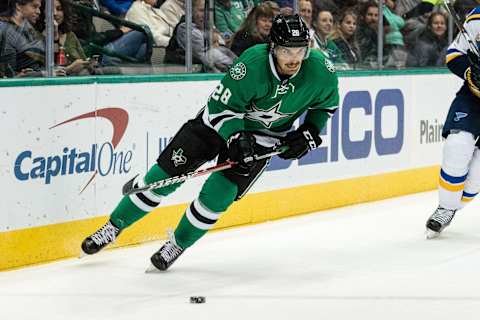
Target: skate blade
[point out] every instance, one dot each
(152, 269)
(430, 234)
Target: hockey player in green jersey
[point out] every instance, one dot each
(252, 110)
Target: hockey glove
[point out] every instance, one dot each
(300, 141)
(472, 75)
(240, 146)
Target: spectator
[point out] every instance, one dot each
(345, 38)
(122, 41)
(306, 11)
(215, 59)
(431, 45)
(22, 52)
(161, 21)
(397, 54)
(254, 30)
(117, 7)
(76, 60)
(367, 33)
(322, 40)
(229, 15)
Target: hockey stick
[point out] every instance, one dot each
(129, 188)
(456, 18)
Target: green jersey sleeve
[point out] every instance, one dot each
(327, 100)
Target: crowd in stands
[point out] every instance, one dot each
(415, 33)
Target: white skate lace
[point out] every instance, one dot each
(443, 216)
(170, 251)
(108, 233)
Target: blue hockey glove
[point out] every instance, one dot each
(300, 141)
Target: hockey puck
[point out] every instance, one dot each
(197, 299)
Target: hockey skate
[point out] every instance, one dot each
(166, 256)
(100, 239)
(438, 221)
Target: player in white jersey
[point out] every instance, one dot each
(459, 179)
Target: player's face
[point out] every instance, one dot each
(439, 26)
(264, 24)
(30, 11)
(349, 25)
(289, 60)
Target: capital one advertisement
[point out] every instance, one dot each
(67, 150)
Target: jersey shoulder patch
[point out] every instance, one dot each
(238, 71)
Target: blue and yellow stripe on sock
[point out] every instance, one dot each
(467, 197)
(451, 183)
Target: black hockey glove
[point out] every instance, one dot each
(240, 146)
(300, 141)
(472, 76)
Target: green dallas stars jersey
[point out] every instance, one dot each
(252, 97)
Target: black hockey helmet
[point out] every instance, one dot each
(289, 31)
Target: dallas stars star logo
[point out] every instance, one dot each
(178, 158)
(267, 117)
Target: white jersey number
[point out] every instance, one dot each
(222, 94)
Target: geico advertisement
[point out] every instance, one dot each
(70, 157)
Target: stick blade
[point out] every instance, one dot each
(152, 269)
(129, 186)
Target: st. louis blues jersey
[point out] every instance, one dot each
(457, 60)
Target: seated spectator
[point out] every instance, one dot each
(345, 38)
(22, 52)
(254, 30)
(117, 7)
(367, 34)
(122, 41)
(431, 45)
(395, 46)
(229, 15)
(161, 21)
(215, 59)
(322, 41)
(76, 62)
(306, 10)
